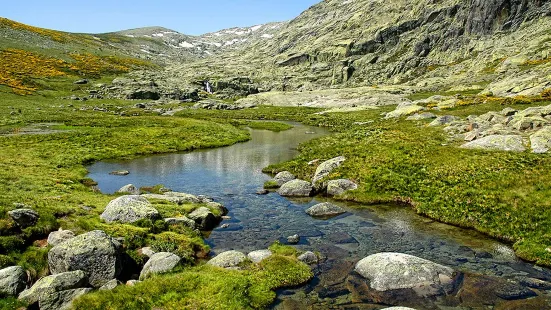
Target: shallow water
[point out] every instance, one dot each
(232, 175)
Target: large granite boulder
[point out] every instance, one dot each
(541, 141)
(204, 219)
(129, 189)
(175, 197)
(24, 217)
(283, 177)
(95, 253)
(49, 285)
(161, 262)
(12, 281)
(62, 300)
(260, 255)
(338, 187)
(229, 259)
(512, 143)
(296, 188)
(325, 168)
(129, 209)
(388, 272)
(57, 237)
(325, 210)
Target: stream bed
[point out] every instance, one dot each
(232, 175)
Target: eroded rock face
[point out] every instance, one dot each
(161, 262)
(129, 209)
(296, 188)
(395, 271)
(95, 253)
(325, 168)
(512, 143)
(12, 280)
(229, 259)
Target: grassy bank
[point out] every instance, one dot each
(501, 194)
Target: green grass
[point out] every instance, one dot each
(271, 126)
(205, 287)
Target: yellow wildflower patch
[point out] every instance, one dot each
(54, 35)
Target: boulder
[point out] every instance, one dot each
(129, 189)
(294, 239)
(204, 219)
(260, 255)
(541, 141)
(309, 258)
(217, 208)
(508, 112)
(396, 271)
(13, 281)
(443, 120)
(132, 282)
(325, 209)
(120, 172)
(511, 143)
(158, 263)
(52, 284)
(181, 221)
(175, 197)
(404, 110)
(62, 300)
(421, 116)
(94, 252)
(283, 177)
(147, 251)
(110, 285)
(144, 94)
(325, 168)
(129, 209)
(81, 82)
(229, 259)
(24, 217)
(296, 188)
(338, 187)
(57, 237)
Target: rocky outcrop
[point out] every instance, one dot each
(339, 187)
(158, 263)
(204, 219)
(229, 259)
(389, 272)
(47, 286)
(325, 168)
(260, 255)
(296, 188)
(541, 141)
(512, 143)
(129, 209)
(325, 210)
(24, 217)
(13, 281)
(95, 253)
(57, 237)
(129, 189)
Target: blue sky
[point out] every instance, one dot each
(190, 17)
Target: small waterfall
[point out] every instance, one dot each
(207, 87)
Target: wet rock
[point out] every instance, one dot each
(325, 168)
(396, 271)
(296, 188)
(161, 262)
(13, 281)
(129, 189)
(225, 226)
(129, 209)
(217, 208)
(262, 191)
(511, 143)
(181, 221)
(62, 300)
(204, 219)
(229, 259)
(111, 285)
(54, 283)
(338, 187)
(512, 290)
(283, 177)
(421, 116)
(294, 239)
(95, 253)
(57, 237)
(308, 258)
(325, 209)
(536, 283)
(478, 290)
(260, 255)
(120, 172)
(24, 217)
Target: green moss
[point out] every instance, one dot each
(282, 249)
(11, 303)
(271, 184)
(272, 126)
(6, 261)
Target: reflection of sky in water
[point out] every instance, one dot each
(231, 175)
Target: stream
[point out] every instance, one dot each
(232, 175)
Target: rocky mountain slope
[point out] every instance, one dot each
(450, 45)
